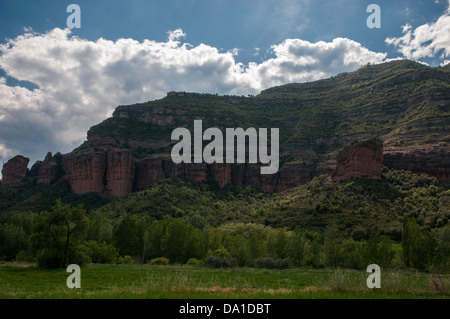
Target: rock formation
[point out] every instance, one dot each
(362, 159)
(47, 171)
(15, 169)
(153, 170)
(85, 171)
(119, 172)
(433, 160)
(103, 167)
(148, 171)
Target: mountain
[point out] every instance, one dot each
(403, 104)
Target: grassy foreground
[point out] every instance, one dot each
(21, 281)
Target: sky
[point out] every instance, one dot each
(56, 82)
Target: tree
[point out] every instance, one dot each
(128, 235)
(379, 250)
(277, 241)
(100, 228)
(173, 240)
(102, 253)
(12, 240)
(155, 233)
(443, 249)
(58, 235)
(256, 248)
(410, 232)
(332, 248)
(297, 246)
(238, 248)
(419, 248)
(422, 256)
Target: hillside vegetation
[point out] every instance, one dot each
(400, 220)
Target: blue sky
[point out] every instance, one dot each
(55, 83)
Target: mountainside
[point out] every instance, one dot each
(403, 104)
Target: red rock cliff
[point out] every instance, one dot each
(362, 160)
(433, 160)
(48, 170)
(119, 172)
(85, 171)
(15, 169)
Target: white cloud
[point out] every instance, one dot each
(427, 40)
(79, 82)
(234, 51)
(176, 35)
(300, 61)
(406, 28)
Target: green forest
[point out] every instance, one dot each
(400, 221)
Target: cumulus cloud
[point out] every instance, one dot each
(427, 40)
(79, 82)
(300, 61)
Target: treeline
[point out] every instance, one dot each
(67, 235)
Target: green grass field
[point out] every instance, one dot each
(19, 281)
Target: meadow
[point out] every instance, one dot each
(26, 281)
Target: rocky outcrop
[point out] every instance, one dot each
(47, 170)
(360, 160)
(221, 173)
(95, 171)
(34, 171)
(148, 171)
(105, 168)
(153, 170)
(433, 160)
(293, 176)
(85, 171)
(119, 172)
(15, 169)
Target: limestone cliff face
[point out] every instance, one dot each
(153, 170)
(103, 167)
(85, 171)
(362, 159)
(433, 160)
(148, 171)
(221, 173)
(94, 171)
(47, 170)
(120, 171)
(15, 169)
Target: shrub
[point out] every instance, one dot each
(220, 262)
(49, 259)
(270, 263)
(193, 262)
(353, 252)
(25, 256)
(159, 261)
(126, 260)
(102, 253)
(222, 253)
(443, 249)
